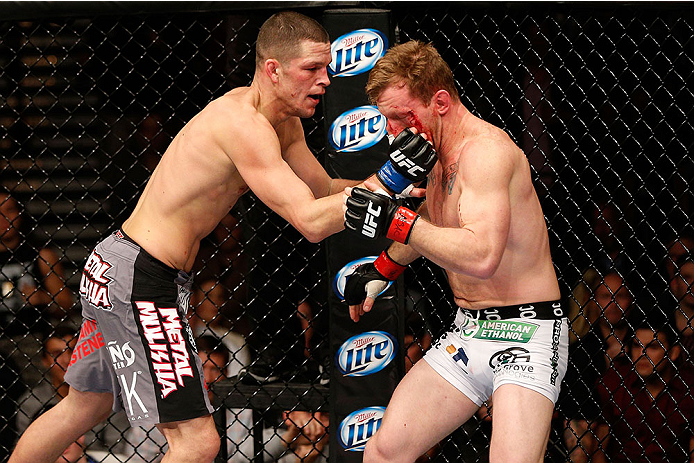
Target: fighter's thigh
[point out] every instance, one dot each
(423, 410)
(86, 408)
(521, 420)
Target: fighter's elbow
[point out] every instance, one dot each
(310, 231)
(483, 268)
(486, 269)
(314, 237)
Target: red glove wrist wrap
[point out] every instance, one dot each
(401, 226)
(388, 267)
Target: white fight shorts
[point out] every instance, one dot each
(527, 345)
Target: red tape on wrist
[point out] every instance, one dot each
(388, 267)
(401, 226)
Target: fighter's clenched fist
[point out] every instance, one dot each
(411, 159)
(368, 281)
(373, 215)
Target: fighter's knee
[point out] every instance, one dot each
(199, 445)
(205, 447)
(377, 450)
(370, 451)
(212, 445)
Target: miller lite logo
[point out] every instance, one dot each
(345, 272)
(358, 427)
(366, 353)
(356, 52)
(357, 129)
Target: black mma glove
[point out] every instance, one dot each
(369, 280)
(373, 215)
(411, 159)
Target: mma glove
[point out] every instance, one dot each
(411, 160)
(373, 215)
(369, 280)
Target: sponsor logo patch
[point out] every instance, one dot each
(513, 362)
(358, 427)
(169, 356)
(121, 356)
(94, 282)
(510, 355)
(554, 360)
(495, 330)
(91, 340)
(132, 397)
(458, 354)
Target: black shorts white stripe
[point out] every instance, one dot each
(547, 310)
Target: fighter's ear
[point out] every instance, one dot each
(441, 101)
(272, 69)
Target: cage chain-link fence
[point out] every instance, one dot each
(598, 96)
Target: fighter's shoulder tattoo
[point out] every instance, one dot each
(432, 179)
(448, 178)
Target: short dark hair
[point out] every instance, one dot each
(662, 331)
(281, 35)
(417, 65)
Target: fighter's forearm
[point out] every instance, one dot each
(402, 254)
(319, 218)
(338, 185)
(455, 249)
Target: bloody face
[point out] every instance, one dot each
(403, 110)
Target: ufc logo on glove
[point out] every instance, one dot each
(370, 223)
(402, 161)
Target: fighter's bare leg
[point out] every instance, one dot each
(521, 420)
(53, 431)
(191, 441)
(424, 409)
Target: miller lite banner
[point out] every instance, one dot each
(357, 427)
(368, 361)
(356, 52)
(357, 129)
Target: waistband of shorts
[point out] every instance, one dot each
(169, 273)
(547, 310)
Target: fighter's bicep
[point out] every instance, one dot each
(484, 204)
(301, 159)
(488, 211)
(271, 179)
(308, 169)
